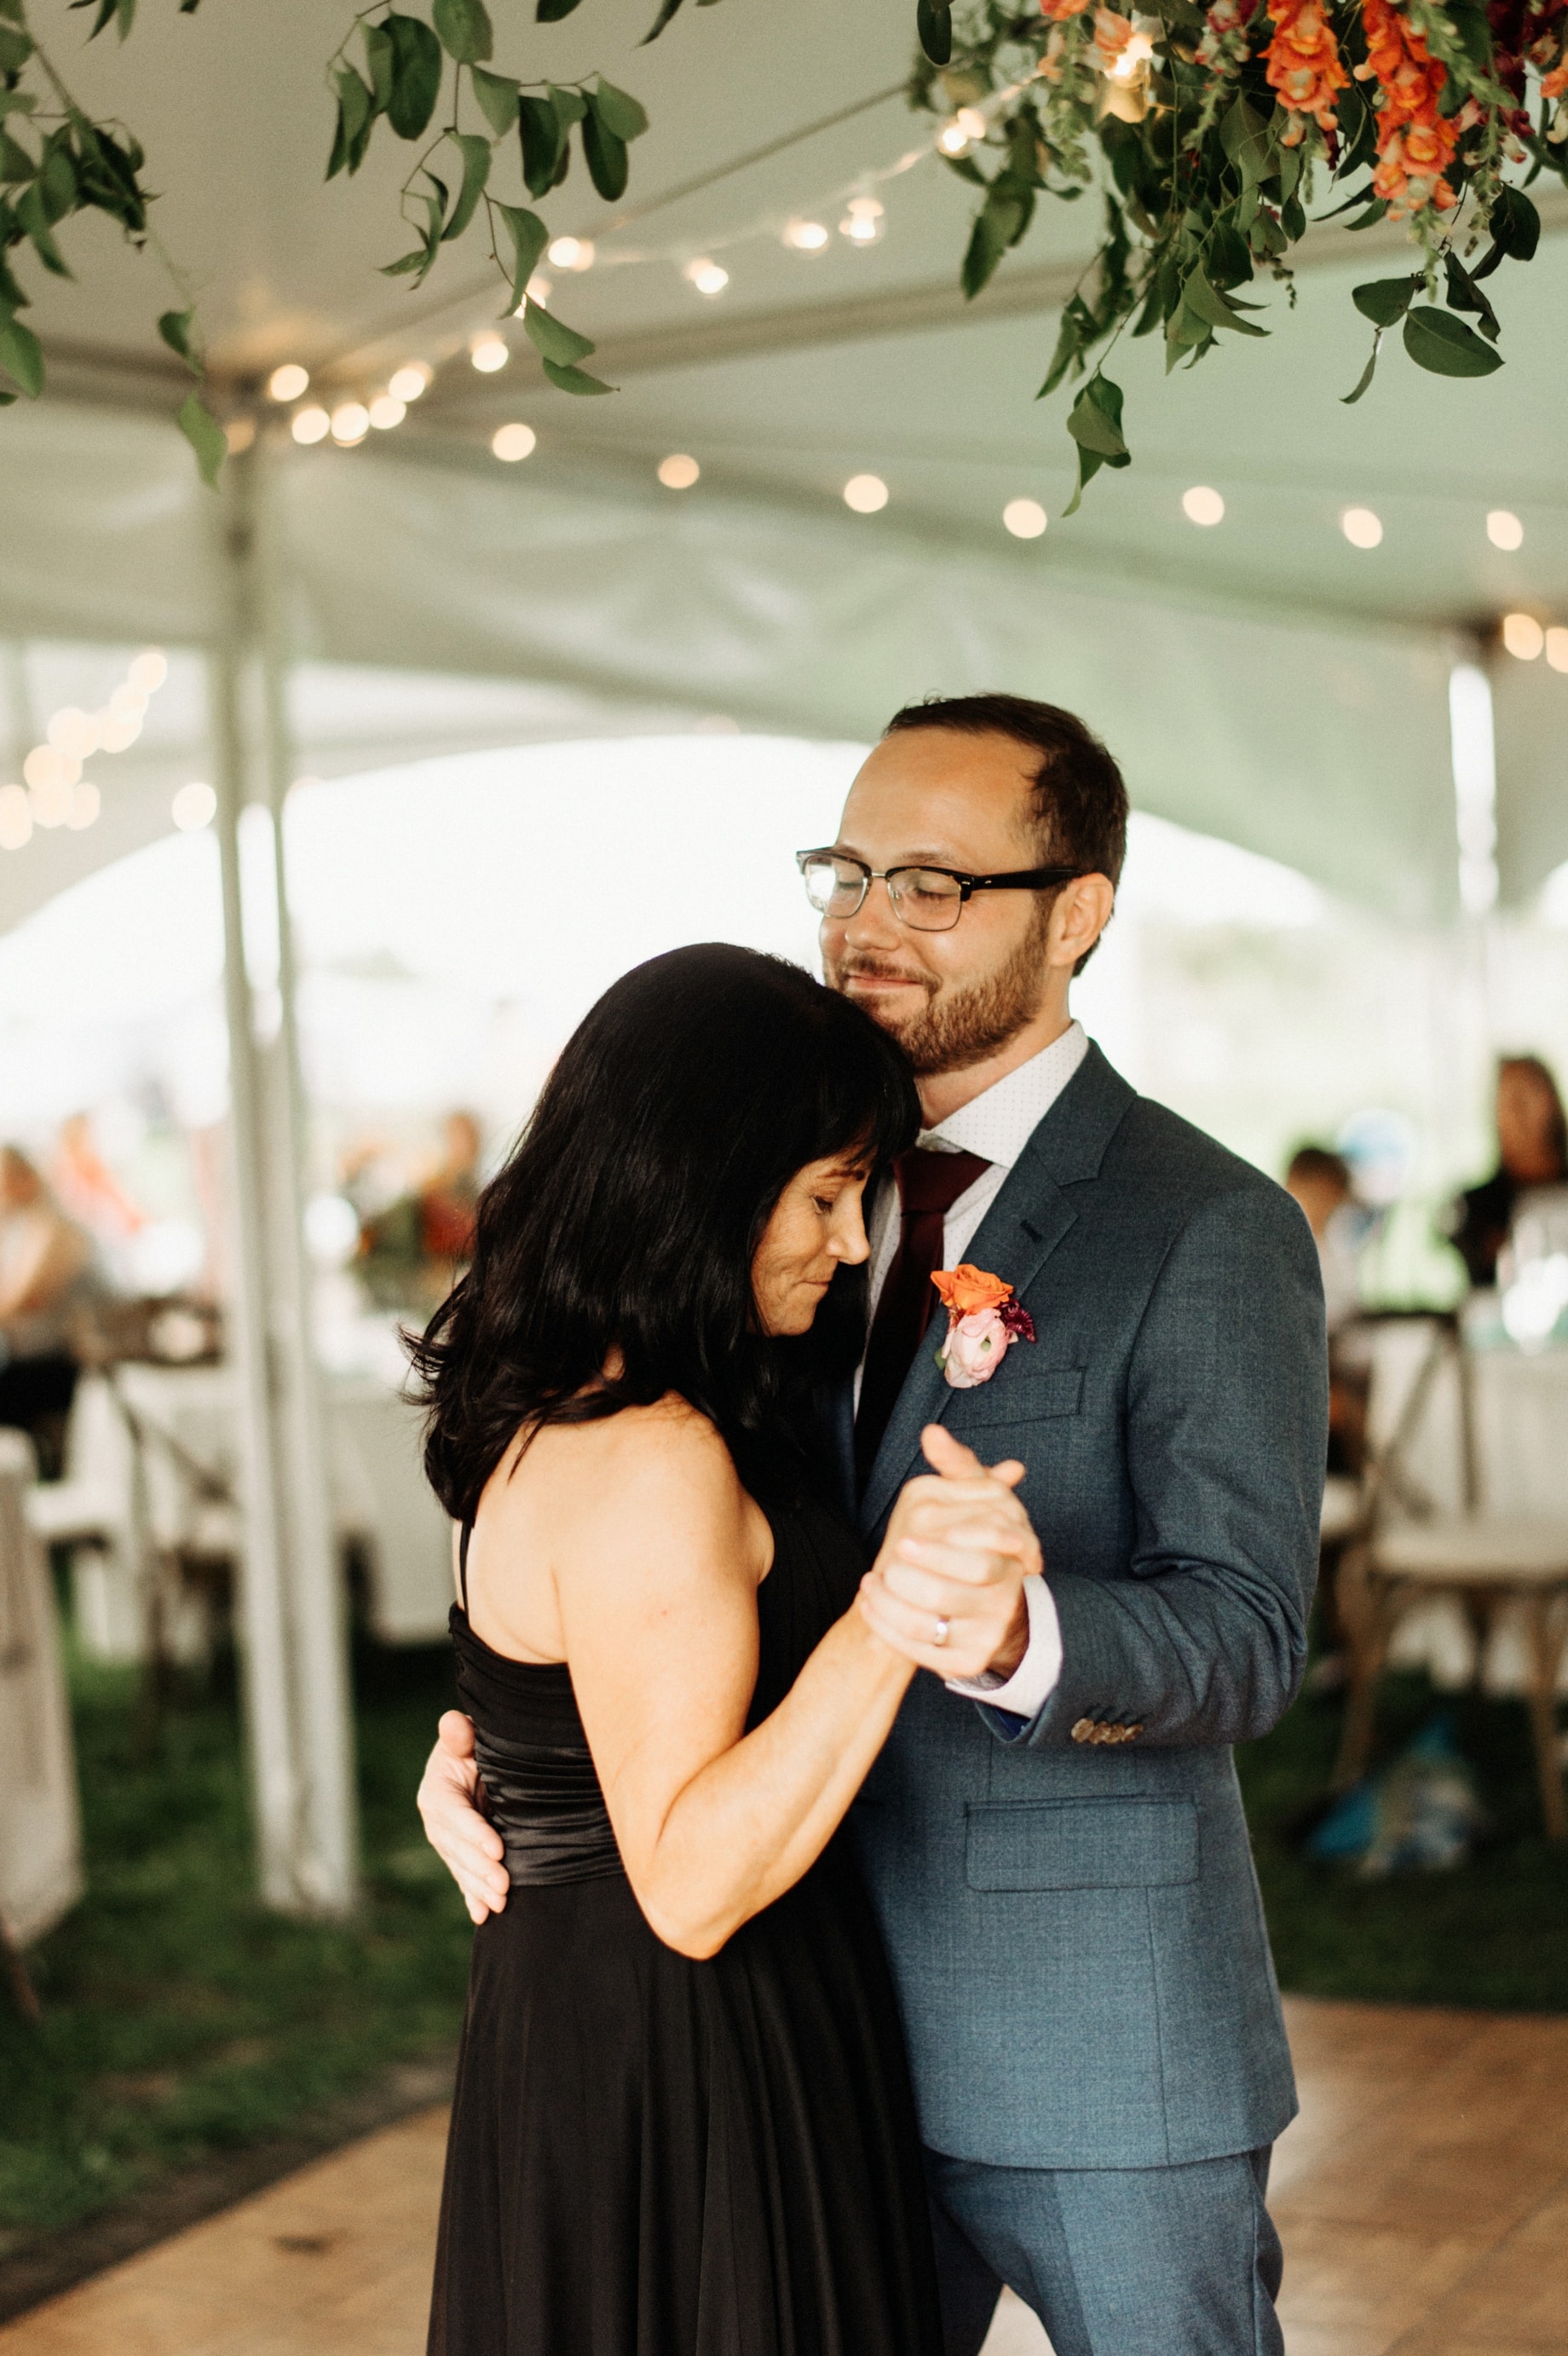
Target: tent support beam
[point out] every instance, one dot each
(297, 1688)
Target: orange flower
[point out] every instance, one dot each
(1415, 143)
(1305, 70)
(1060, 10)
(1555, 84)
(965, 1289)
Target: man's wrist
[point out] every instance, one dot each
(1009, 1654)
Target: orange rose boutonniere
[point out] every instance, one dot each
(983, 1322)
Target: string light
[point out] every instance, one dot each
(148, 670)
(677, 472)
(16, 818)
(806, 236)
(1203, 505)
(239, 434)
(350, 422)
(537, 290)
(1361, 528)
(1133, 59)
(572, 252)
(863, 221)
(866, 494)
(1505, 530)
(50, 793)
(511, 442)
(310, 425)
(1025, 518)
(387, 411)
(489, 353)
(409, 381)
(72, 733)
(709, 277)
(1523, 636)
(287, 383)
(86, 802)
(194, 807)
(1557, 649)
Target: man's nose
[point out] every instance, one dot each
(874, 924)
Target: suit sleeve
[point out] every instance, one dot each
(1204, 1639)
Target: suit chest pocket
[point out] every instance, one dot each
(1019, 1393)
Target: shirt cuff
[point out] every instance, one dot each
(1031, 1684)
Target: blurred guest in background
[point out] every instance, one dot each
(1320, 1181)
(48, 1275)
(412, 1251)
(1533, 1151)
(448, 1198)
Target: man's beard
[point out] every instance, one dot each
(963, 1026)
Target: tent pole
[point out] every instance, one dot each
(319, 1617)
(262, 1606)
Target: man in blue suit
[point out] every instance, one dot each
(1056, 1849)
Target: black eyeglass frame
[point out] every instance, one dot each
(1018, 879)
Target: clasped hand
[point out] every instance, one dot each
(946, 1588)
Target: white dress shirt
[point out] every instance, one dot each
(996, 1124)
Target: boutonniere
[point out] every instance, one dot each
(983, 1322)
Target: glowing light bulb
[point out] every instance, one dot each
(1137, 54)
(572, 252)
(511, 442)
(677, 472)
(1523, 636)
(1203, 505)
(1361, 528)
(16, 818)
(194, 807)
(867, 494)
(287, 383)
(806, 236)
(148, 670)
(863, 221)
(1557, 649)
(86, 802)
(1025, 518)
(1505, 530)
(73, 734)
(953, 139)
(407, 383)
(310, 425)
(537, 290)
(49, 796)
(387, 411)
(46, 766)
(489, 353)
(708, 277)
(117, 731)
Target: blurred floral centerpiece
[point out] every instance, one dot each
(1214, 139)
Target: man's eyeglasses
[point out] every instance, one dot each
(927, 899)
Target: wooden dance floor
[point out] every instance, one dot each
(1423, 2196)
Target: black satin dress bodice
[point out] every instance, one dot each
(652, 2155)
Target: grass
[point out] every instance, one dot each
(183, 2022)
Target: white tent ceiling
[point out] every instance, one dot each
(1264, 680)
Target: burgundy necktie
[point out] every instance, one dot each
(929, 1185)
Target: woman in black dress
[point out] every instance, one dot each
(683, 2124)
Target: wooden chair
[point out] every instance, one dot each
(1413, 1552)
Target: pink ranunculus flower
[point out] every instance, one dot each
(975, 1347)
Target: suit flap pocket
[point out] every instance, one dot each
(1019, 1393)
(1083, 1845)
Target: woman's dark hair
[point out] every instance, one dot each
(628, 1216)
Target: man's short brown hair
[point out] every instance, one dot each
(1080, 797)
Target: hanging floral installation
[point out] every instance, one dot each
(1213, 139)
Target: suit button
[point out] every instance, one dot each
(1131, 1733)
(1084, 1731)
(1103, 1733)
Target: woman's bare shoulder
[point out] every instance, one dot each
(655, 1458)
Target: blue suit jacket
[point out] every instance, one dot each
(1074, 1926)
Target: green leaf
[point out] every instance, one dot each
(576, 379)
(1373, 214)
(476, 153)
(1384, 300)
(571, 105)
(16, 102)
(1464, 295)
(1216, 310)
(1348, 399)
(16, 164)
(22, 357)
(380, 56)
(543, 140)
(355, 114)
(666, 11)
(1095, 425)
(15, 48)
(1226, 257)
(174, 328)
(1436, 341)
(529, 237)
(552, 338)
(984, 251)
(934, 23)
(1077, 327)
(1244, 136)
(416, 75)
(206, 437)
(464, 29)
(550, 12)
(1515, 224)
(497, 95)
(609, 164)
(618, 111)
(32, 217)
(56, 180)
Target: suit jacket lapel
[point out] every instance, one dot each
(1023, 1227)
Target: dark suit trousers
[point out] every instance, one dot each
(1115, 2261)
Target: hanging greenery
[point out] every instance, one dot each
(431, 81)
(1212, 138)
